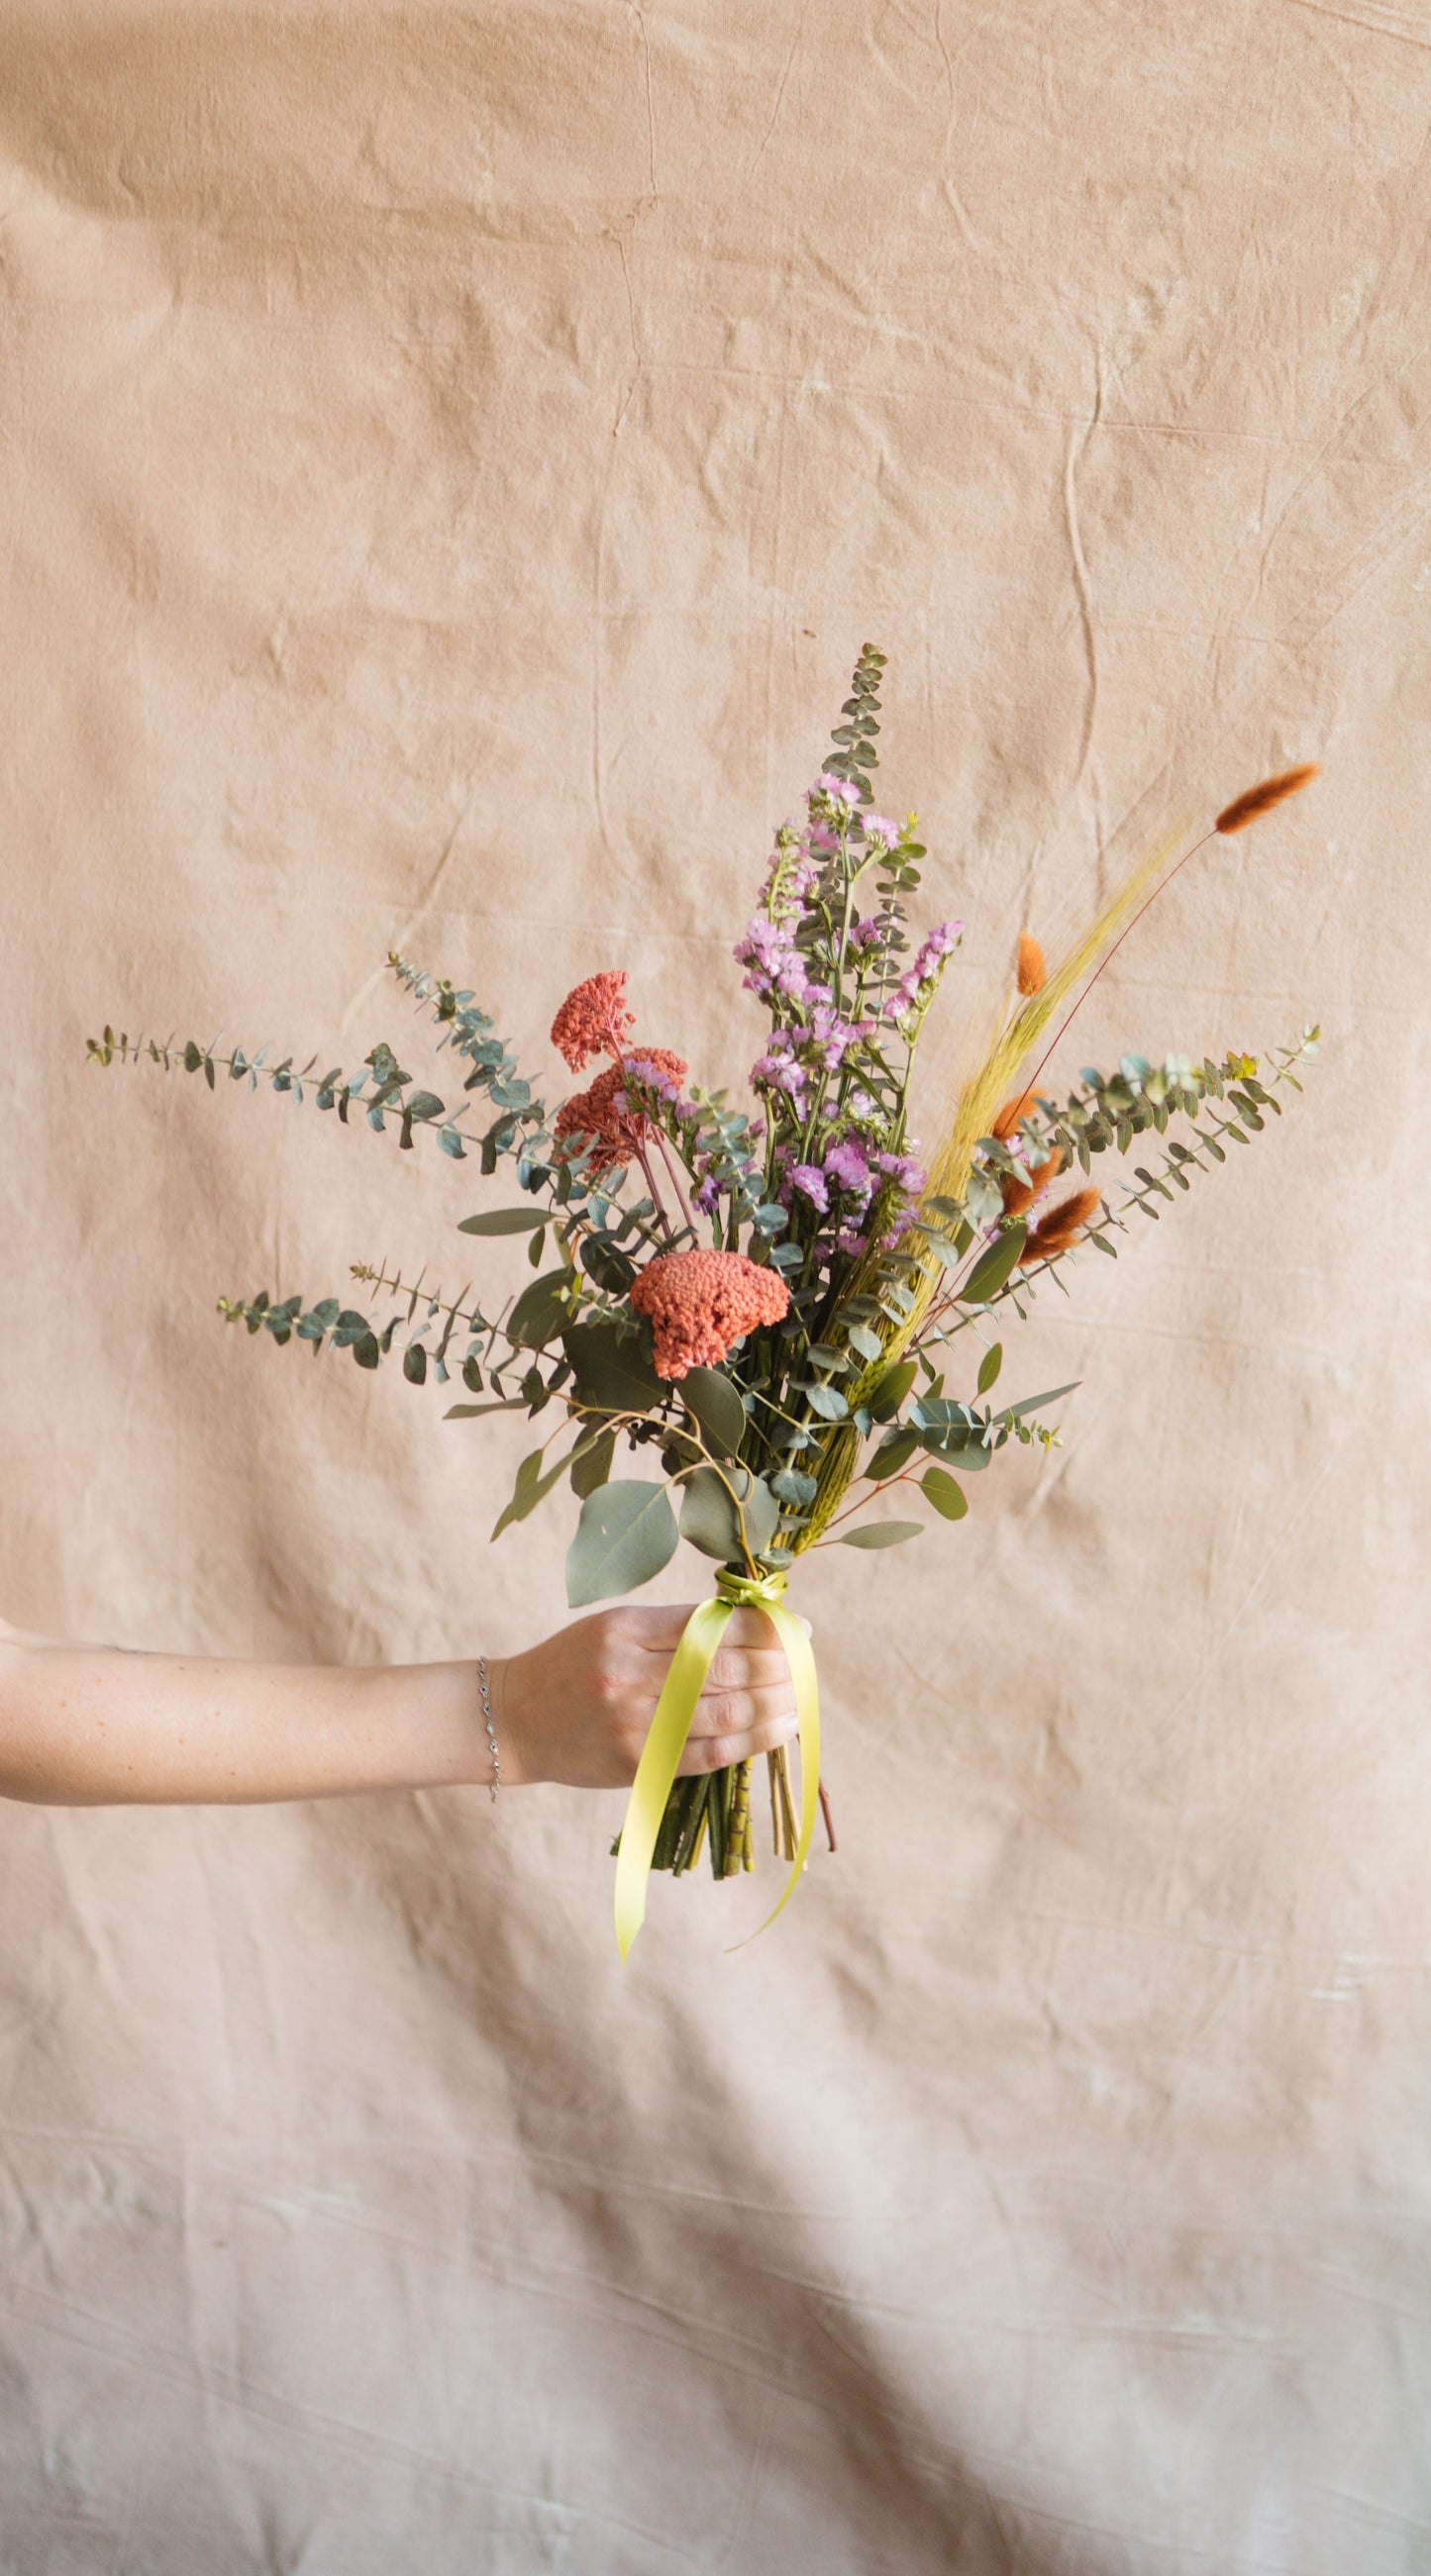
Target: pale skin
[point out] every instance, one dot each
(84, 1726)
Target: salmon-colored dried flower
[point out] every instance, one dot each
(1019, 1195)
(699, 1303)
(1061, 1228)
(593, 1020)
(1245, 809)
(603, 1115)
(1032, 972)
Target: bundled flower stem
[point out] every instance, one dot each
(762, 1303)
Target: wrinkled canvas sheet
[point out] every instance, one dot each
(453, 455)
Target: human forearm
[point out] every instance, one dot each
(80, 1727)
(86, 1726)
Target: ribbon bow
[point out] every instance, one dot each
(656, 1770)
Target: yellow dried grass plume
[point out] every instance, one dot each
(1021, 1029)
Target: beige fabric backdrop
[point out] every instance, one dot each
(452, 457)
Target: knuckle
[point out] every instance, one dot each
(608, 1687)
(728, 1712)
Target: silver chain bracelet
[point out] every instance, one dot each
(496, 1780)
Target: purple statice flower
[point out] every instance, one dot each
(810, 1181)
(651, 1078)
(780, 1070)
(867, 934)
(903, 1170)
(909, 1178)
(775, 964)
(845, 1164)
(838, 790)
(878, 827)
(916, 985)
(832, 1037)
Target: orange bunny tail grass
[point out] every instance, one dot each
(1032, 972)
(1260, 800)
(1022, 1103)
(1061, 1227)
(1019, 1195)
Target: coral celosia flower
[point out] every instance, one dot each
(699, 1303)
(593, 1020)
(606, 1117)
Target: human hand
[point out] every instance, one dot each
(577, 1708)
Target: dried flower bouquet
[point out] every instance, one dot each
(763, 1304)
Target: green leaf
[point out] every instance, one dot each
(1031, 1403)
(591, 1463)
(540, 1311)
(826, 1401)
(626, 1534)
(881, 1534)
(958, 1440)
(890, 1389)
(528, 1490)
(414, 1364)
(990, 1366)
(503, 1221)
(868, 1344)
(612, 1371)
(715, 1404)
(943, 1493)
(608, 1265)
(708, 1515)
(894, 1452)
(470, 1412)
(534, 1483)
(794, 1488)
(994, 1267)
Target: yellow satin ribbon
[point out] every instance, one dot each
(656, 1770)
